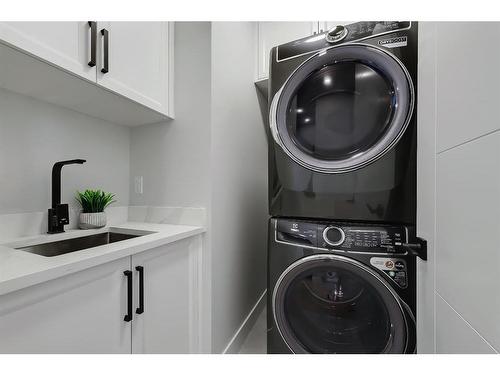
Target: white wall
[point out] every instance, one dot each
(463, 110)
(34, 135)
(426, 186)
(239, 180)
(173, 157)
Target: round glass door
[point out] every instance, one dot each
(343, 108)
(332, 304)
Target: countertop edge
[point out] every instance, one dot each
(45, 275)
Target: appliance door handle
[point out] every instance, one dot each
(93, 42)
(105, 51)
(128, 317)
(419, 248)
(140, 309)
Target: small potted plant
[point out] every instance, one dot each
(93, 203)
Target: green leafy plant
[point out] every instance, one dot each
(94, 200)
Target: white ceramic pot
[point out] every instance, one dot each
(92, 220)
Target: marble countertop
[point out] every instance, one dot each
(20, 269)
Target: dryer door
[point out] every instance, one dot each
(343, 108)
(332, 304)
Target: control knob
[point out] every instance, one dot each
(336, 34)
(333, 236)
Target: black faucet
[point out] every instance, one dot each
(59, 213)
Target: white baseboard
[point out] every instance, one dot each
(241, 334)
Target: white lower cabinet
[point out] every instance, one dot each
(84, 312)
(168, 323)
(78, 313)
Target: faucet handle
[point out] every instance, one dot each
(58, 218)
(62, 214)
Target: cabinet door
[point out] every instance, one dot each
(78, 313)
(64, 44)
(169, 323)
(272, 34)
(139, 62)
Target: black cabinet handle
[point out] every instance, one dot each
(140, 309)
(105, 51)
(93, 42)
(128, 317)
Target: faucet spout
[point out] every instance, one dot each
(59, 213)
(56, 179)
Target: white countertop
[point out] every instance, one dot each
(20, 269)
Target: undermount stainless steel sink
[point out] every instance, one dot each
(51, 249)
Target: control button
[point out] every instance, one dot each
(399, 265)
(392, 273)
(336, 34)
(389, 264)
(333, 236)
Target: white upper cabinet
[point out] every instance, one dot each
(47, 60)
(64, 44)
(272, 34)
(137, 62)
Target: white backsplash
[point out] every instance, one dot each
(34, 223)
(17, 225)
(169, 215)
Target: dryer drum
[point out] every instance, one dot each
(343, 108)
(332, 304)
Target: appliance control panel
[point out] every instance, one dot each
(386, 239)
(339, 34)
(342, 236)
(361, 30)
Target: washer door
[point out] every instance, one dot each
(333, 304)
(343, 108)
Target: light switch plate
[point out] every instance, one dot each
(138, 184)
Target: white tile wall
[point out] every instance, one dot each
(454, 334)
(468, 58)
(459, 174)
(468, 225)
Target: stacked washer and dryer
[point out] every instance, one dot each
(342, 191)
